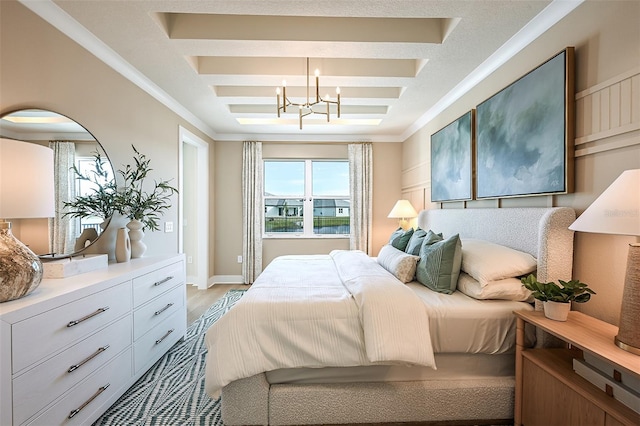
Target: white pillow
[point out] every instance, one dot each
(487, 262)
(506, 289)
(397, 262)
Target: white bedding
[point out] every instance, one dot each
(462, 324)
(361, 315)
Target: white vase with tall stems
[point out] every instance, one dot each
(135, 237)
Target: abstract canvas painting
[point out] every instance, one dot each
(525, 133)
(451, 161)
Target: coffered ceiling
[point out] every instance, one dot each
(218, 63)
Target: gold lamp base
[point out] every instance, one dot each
(628, 337)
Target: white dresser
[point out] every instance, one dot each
(73, 346)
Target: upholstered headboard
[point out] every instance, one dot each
(542, 232)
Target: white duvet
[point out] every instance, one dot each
(341, 309)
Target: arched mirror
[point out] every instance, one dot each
(75, 150)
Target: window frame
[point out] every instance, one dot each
(307, 202)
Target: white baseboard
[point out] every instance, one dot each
(226, 279)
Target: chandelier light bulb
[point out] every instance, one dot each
(284, 83)
(338, 90)
(317, 73)
(277, 90)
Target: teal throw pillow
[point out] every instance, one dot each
(400, 239)
(415, 242)
(439, 264)
(398, 232)
(431, 238)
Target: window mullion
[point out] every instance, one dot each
(308, 199)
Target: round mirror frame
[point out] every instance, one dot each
(51, 126)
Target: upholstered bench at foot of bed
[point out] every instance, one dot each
(475, 401)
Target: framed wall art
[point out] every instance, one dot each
(525, 134)
(452, 162)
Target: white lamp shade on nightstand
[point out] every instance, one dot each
(617, 211)
(402, 210)
(26, 191)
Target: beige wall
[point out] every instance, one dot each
(228, 193)
(42, 68)
(606, 36)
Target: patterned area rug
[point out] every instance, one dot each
(172, 392)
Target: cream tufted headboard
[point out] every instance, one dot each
(542, 232)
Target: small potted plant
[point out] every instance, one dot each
(556, 299)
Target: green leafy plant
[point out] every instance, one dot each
(135, 202)
(566, 292)
(102, 202)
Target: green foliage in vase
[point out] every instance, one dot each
(566, 292)
(137, 203)
(102, 202)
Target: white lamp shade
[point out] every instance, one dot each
(26, 180)
(616, 210)
(403, 210)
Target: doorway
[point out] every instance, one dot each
(193, 238)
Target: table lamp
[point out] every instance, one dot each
(26, 191)
(403, 210)
(617, 211)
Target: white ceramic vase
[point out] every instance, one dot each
(135, 236)
(123, 246)
(557, 311)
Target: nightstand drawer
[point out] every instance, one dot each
(45, 334)
(82, 402)
(150, 285)
(150, 347)
(151, 314)
(42, 384)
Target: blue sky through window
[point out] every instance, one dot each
(286, 178)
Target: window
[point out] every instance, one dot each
(293, 187)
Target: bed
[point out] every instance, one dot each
(370, 349)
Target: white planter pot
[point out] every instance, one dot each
(556, 310)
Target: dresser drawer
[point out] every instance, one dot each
(148, 286)
(42, 384)
(47, 333)
(151, 314)
(150, 347)
(87, 400)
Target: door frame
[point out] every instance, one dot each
(202, 204)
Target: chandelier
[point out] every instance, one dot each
(308, 107)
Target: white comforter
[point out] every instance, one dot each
(341, 309)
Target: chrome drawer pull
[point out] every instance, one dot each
(87, 359)
(164, 337)
(88, 401)
(163, 309)
(157, 283)
(99, 311)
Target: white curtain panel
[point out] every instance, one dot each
(360, 180)
(252, 201)
(63, 231)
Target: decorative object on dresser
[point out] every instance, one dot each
(403, 211)
(143, 208)
(123, 245)
(556, 299)
(71, 349)
(617, 211)
(26, 191)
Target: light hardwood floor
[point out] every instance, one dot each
(198, 301)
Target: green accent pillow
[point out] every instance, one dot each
(396, 234)
(439, 264)
(432, 237)
(400, 238)
(415, 242)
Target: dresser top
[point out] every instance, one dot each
(54, 292)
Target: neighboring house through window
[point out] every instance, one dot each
(295, 187)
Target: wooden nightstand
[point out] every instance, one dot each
(548, 391)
